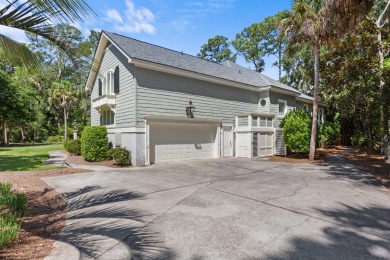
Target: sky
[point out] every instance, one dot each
(179, 25)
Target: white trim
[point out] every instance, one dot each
(285, 108)
(100, 51)
(180, 120)
(147, 144)
(112, 130)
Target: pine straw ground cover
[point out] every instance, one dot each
(46, 216)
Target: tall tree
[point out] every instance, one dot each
(217, 49)
(275, 41)
(248, 43)
(349, 13)
(310, 22)
(37, 16)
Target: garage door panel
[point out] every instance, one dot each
(180, 142)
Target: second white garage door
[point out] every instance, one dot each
(182, 141)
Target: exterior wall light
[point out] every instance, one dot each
(190, 109)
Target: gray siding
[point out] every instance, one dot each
(125, 102)
(168, 95)
(300, 105)
(264, 109)
(274, 105)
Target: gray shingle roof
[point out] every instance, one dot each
(226, 70)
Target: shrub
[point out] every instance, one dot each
(9, 229)
(328, 134)
(66, 145)
(73, 146)
(12, 207)
(359, 140)
(122, 156)
(94, 143)
(55, 139)
(297, 130)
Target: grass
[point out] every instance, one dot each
(13, 206)
(26, 158)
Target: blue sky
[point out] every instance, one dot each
(179, 25)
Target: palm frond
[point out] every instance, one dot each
(18, 53)
(62, 10)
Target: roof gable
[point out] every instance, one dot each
(142, 51)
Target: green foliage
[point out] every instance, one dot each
(94, 144)
(122, 156)
(297, 130)
(358, 140)
(9, 229)
(55, 139)
(5, 188)
(217, 50)
(12, 207)
(73, 146)
(328, 134)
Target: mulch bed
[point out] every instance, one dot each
(78, 159)
(371, 161)
(46, 215)
(299, 158)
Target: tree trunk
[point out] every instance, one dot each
(382, 87)
(66, 127)
(280, 64)
(315, 102)
(5, 134)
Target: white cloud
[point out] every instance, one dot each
(15, 34)
(114, 16)
(133, 20)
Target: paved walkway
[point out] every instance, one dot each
(225, 209)
(58, 157)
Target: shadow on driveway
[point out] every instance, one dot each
(100, 227)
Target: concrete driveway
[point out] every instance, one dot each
(225, 209)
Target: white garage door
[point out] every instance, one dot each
(182, 141)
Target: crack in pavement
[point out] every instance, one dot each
(294, 192)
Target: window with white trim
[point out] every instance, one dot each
(282, 108)
(306, 107)
(108, 83)
(107, 117)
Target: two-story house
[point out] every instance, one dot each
(141, 93)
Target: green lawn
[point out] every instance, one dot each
(26, 158)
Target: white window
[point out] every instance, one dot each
(306, 107)
(107, 117)
(108, 83)
(282, 108)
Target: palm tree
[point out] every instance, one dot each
(309, 22)
(37, 16)
(63, 95)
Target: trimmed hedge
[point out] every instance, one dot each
(297, 130)
(73, 146)
(94, 144)
(122, 156)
